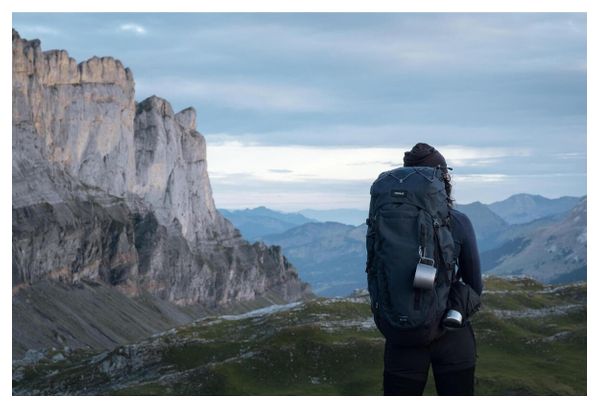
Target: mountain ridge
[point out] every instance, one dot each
(548, 250)
(117, 192)
(522, 208)
(486, 223)
(331, 256)
(255, 223)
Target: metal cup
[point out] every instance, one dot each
(453, 319)
(424, 278)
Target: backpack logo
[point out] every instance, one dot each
(399, 193)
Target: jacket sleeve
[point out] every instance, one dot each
(370, 239)
(469, 259)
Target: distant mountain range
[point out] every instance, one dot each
(331, 255)
(523, 208)
(552, 249)
(347, 216)
(487, 224)
(260, 221)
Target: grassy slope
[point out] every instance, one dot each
(330, 347)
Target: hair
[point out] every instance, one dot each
(448, 186)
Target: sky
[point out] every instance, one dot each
(304, 110)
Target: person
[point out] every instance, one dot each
(453, 354)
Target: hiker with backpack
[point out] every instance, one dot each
(424, 279)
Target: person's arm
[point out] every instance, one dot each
(469, 259)
(369, 239)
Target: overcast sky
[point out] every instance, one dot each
(305, 110)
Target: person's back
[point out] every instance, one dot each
(450, 347)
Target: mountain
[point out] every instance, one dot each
(342, 215)
(115, 192)
(553, 249)
(487, 225)
(260, 221)
(531, 340)
(523, 208)
(517, 209)
(330, 256)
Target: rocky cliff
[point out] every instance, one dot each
(117, 192)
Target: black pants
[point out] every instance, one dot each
(453, 357)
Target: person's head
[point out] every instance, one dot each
(423, 154)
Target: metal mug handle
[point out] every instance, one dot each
(425, 275)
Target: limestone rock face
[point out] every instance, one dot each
(111, 191)
(187, 118)
(171, 174)
(82, 113)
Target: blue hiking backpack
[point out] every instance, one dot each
(409, 230)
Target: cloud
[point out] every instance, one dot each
(309, 163)
(37, 30)
(289, 199)
(466, 156)
(385, 135)
(250, 94)
(133, 28)
(280, 170)
(480, 178)
(578, 156)
(242, 190)
(246, 190)
(340, 176)
(419, 42)
(473, 85)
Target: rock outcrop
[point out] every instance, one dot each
(117, 192)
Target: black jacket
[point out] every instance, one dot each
(466, 250)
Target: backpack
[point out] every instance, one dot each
(408, 224)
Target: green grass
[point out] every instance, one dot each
(321, 348)
(497, 283)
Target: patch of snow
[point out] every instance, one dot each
(33, 356)
(556, 337)
(360, 299)
(331, 326)
(546, 290)
(263, 312)
(562, 288)
(99, 357)
(58, 357)
(537, 313)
